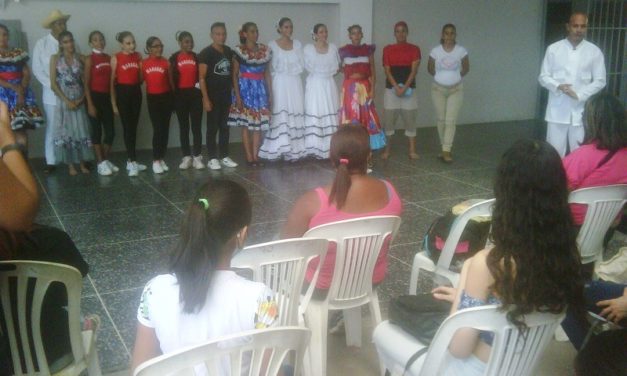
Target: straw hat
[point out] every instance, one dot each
(54, 16)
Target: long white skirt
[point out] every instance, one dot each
(322, 115)
(285, 138)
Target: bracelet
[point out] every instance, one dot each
(11, 147)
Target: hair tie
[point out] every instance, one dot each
(204, 202)
(344, 161)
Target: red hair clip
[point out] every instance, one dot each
(344, 161)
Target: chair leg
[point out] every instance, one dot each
(93, 365)
(352, 323)
(316, 318)
(375, 309)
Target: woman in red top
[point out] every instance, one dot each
(187, 99)
(358, 87)
(126, 95)
(97, 91)
(155, 70)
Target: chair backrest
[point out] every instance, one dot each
(514, 352)
(243, 350)
(359, 242)
(281, 265)
(480, 209)
(604, 204)
(23, 285)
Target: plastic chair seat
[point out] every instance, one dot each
(399, 345)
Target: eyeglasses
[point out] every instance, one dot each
(157, 46)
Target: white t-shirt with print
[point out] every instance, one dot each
(234, 304)
(448, 65)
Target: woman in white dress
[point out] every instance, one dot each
(322, 103)
(284, 139)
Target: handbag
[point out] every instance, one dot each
(419, 315)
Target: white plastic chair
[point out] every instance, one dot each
(24, 330)
(243, 350)
(513, 353)
(281, 265)
(359, 242)
(422, 260)
(604, 204)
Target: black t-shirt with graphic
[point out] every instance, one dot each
(218, 78)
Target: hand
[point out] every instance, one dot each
(207, 105)
(399, 91)
(19, 102)
(91, 110)
(371, 94)
(238, 103)
(71, 105)
(615, 309)
(568, 90)
(6, 133)
(445, 293)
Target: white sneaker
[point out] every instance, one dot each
(197, 163)
(228, 162)
(132, 168)
(103, 169)
(138, 166)
(164, 166)
(156, 167)
(186, 163)
(111, 166)
(214, 164)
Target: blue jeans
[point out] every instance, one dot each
(594, 292)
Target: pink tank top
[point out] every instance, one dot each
(330, 213)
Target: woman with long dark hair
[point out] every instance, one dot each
(534, 263)
(353, 194)
(202, 298)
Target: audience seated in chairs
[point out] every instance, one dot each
(202, 299)
(601, 160)
(534, 263)
(21, 240)
(353, 194)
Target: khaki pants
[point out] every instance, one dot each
(447, 102)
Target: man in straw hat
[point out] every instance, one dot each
(44, 49)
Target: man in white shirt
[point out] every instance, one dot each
(573, 70)
(44, 49)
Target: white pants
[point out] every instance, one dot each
(559, 135)
(50, 110)
(447, 102)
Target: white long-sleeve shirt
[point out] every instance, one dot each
(43, 51)
(583, 67)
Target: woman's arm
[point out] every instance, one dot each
(373, 76)
(465, 66)
(146, 346)
(268, 77)
(202, 75)
(298, 219)
(238, 99)
(19, 198)
(114, 102)
(53, 83)
(412, 74)
(431, 66)
(91, 109)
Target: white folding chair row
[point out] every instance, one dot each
(604, 205)
(17, 278)
(260, 352)
(441, 269)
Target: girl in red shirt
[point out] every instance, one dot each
(155, 71)
(97, 91)
(187, 99)
(126, 95)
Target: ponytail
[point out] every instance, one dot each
(341, 183)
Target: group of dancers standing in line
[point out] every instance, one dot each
(255, 87)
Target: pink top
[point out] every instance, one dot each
(582, 172)
(330, 213)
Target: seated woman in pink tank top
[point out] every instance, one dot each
(353, 194)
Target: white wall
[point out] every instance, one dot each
(502, 36)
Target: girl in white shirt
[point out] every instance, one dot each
(202, 298)
(448, 64)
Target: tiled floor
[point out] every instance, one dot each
(125, 226)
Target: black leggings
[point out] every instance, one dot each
(188, 104)
(160, 111)
(103, 120)
(129, 101)
(216, 122)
